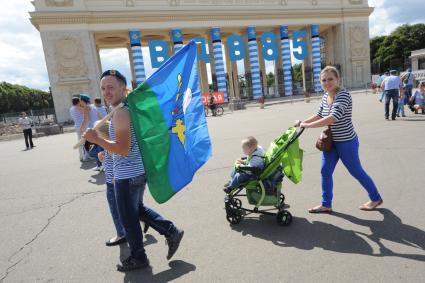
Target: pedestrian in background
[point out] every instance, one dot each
(391, 86)
(26, 124)
(77, 116)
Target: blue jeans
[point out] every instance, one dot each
(93, 153)
(238, 178)
(400, 107)
(408, 91)
(391, 94)
(128, 193)
(110, 196)
(348, 152)
(382, 96)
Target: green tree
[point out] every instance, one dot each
(393, 51)
(297, 73)
(270, 79)
(17, 98)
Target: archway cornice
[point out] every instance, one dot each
(69, 18)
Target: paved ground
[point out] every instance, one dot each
(55, 220)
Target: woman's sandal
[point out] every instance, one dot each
(115, 241)
(320, 209)
(371, 205)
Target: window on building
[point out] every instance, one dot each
(421, 63)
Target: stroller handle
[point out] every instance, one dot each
(299, 133)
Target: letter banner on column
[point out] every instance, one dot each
(177, 37)
(317, 65)
(136, 54)
(204, 56)
(158, 49)
(257, 90)
(218, 61)
(235, 45)
(286, 59)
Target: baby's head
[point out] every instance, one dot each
(103, 131)
(249, 145)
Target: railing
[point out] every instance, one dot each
(39, 117)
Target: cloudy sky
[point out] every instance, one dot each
(22, 57)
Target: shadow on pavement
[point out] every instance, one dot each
(177, 269)
(392, 229)
(87, 165)
(98, 179)
(305, 235)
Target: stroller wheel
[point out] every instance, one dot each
(284, 218)
(233, 212)
(233, 217)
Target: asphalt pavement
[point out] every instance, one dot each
(55, 220)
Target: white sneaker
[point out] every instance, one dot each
(98, 168)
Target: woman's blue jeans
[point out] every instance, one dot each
(128, 194)
(110, 196)
(348, 152)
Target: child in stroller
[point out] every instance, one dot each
(263, 184)
(246, 167)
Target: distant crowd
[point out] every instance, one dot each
(399, 88)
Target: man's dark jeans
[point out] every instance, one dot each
(128, 193)
(391, 94)
(28, 137)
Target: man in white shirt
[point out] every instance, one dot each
(26, 124)
(392, 89)
(101, 109)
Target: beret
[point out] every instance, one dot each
(114, 73)
(85, 97)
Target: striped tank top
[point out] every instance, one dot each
(342, 108)
(108, 165)
(130, 166)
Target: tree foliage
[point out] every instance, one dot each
(393, 51)
(17, 98)
(297, 72)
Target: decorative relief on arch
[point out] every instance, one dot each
(359, 40)
(70, 60)
(59, 3)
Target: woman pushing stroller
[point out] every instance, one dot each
(336, 112)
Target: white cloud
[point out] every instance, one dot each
(21, 52)
(389, 14)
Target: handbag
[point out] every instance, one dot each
(325, 141)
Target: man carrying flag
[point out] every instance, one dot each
(129, 177)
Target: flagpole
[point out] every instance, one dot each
(100, 124)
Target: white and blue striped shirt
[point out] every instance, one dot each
(130, 166)
(109, 168)
(342, 107)
(76, 116)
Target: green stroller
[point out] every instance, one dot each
(282, 158)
